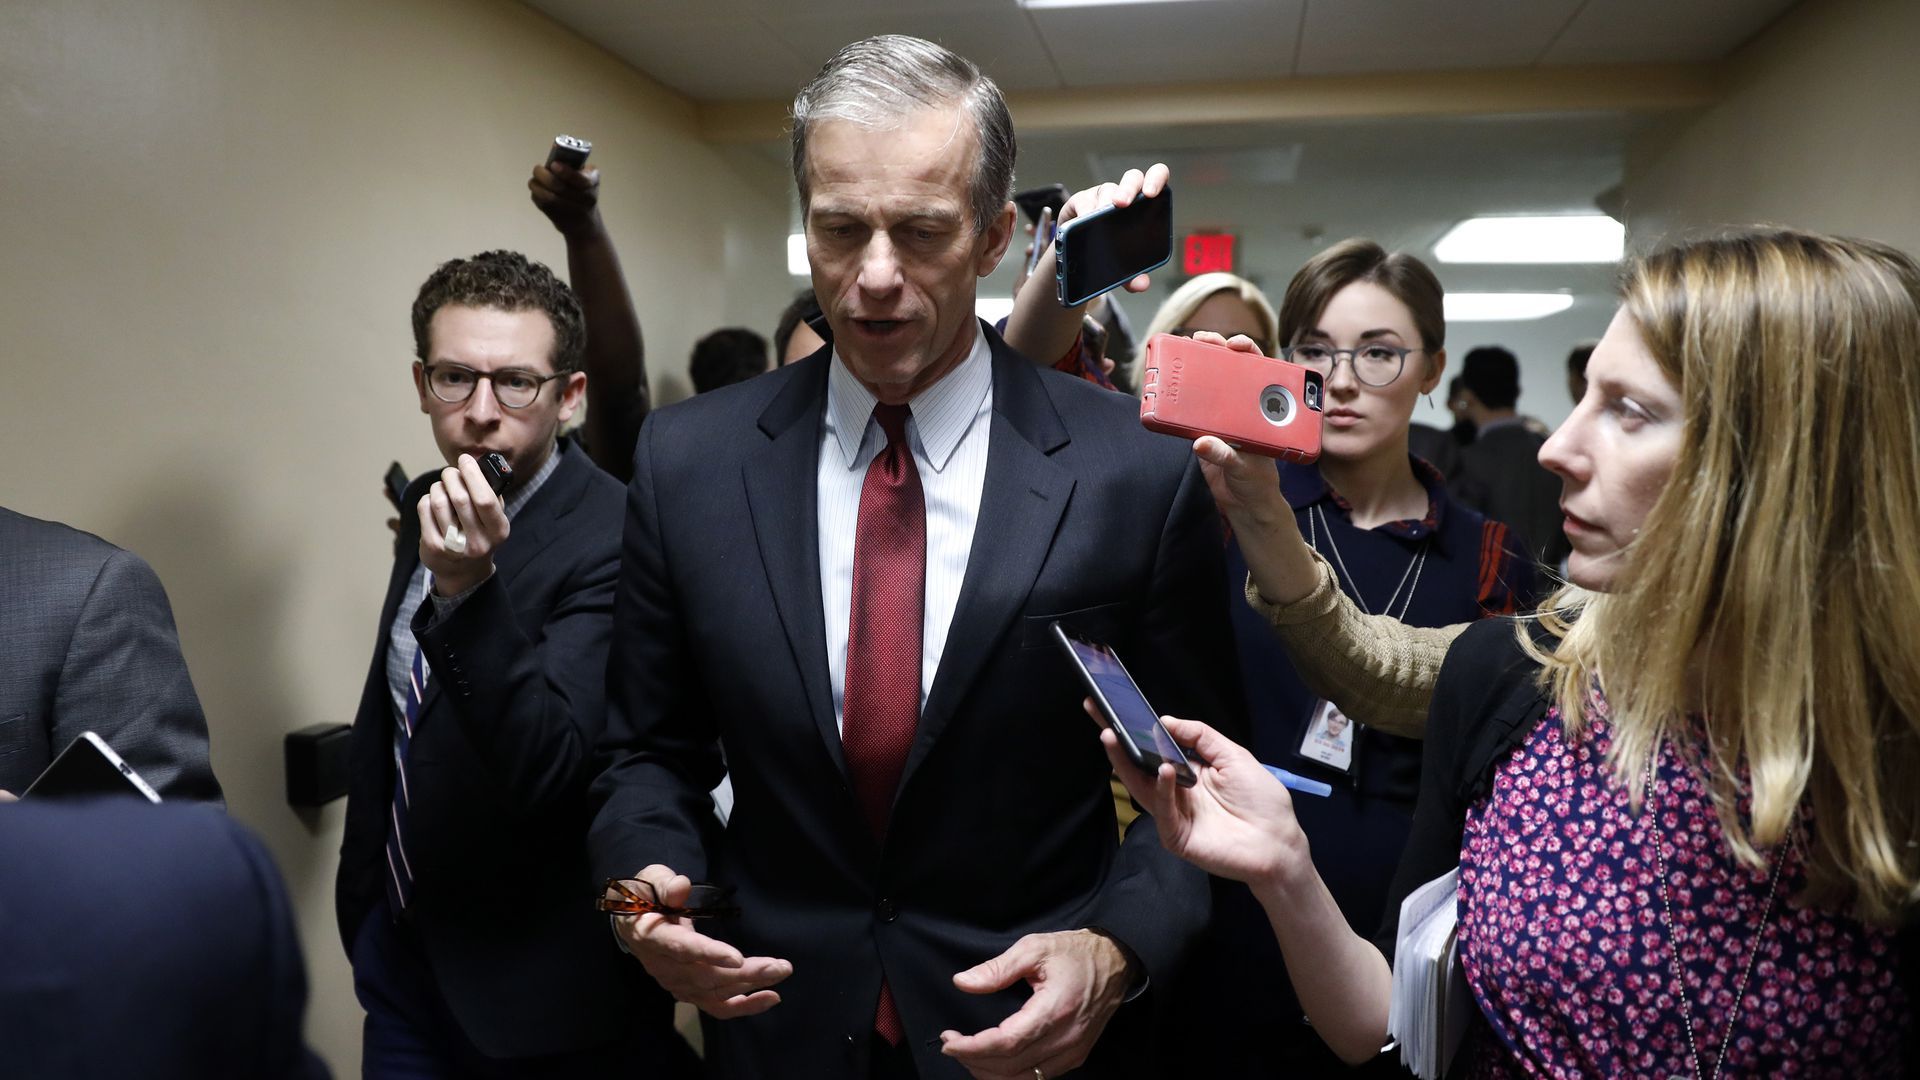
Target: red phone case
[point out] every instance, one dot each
(1256, 403)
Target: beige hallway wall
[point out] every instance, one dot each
(213, 217)
(1820, 129)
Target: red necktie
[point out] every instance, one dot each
(880, 703)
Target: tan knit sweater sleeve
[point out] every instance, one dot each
(1375, 669)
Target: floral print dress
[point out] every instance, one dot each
(1564, 941)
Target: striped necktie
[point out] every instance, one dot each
(399, 872)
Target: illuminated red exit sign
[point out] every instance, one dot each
(1207, 253)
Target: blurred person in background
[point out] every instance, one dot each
(797, 335)
(727, 356)
(1500, 473)
(1577, 372)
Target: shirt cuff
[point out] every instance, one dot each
(444, 606)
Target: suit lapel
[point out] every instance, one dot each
(1021, 504)
(782, 482)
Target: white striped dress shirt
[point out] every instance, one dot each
(949, 432)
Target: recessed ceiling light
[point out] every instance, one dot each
(797, 262)
(1504, 306)
(1035, 5)
(1562, 238)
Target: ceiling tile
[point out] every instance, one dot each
(712, 59)
(1218, 40)
(1000, 41)
(587, 16)
(1661, 31)
(1351, 36)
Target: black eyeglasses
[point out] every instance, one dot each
(514, 388)
(632, 896)
(1374, 364)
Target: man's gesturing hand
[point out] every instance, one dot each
(693, 967)
(1079, 977)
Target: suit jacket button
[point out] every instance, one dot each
(886, 910)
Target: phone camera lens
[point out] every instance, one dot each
(1276, 404)
(1313, 396)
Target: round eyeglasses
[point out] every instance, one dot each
(514, 388)
(1374, 364)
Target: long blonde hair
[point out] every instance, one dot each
(1775, 586)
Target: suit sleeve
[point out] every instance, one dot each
(531, 707)
(661, 750)
(124, 679)
(1156, 904)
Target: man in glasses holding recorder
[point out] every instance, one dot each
(836, 587)
(460, 895)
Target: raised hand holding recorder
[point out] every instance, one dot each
(463, 522)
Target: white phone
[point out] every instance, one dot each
(87, 768)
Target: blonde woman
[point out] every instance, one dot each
(1682, 800)
(1225, 304)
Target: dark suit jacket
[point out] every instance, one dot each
(1500, 475)
(1003, 824)
(498, 771)
(151, 941)
(87, 644)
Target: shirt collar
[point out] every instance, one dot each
(942, 413)
(522, 493)
(1303, 486)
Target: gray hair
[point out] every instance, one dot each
(876, 82)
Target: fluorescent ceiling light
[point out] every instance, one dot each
(797, 263)
(993, 308)
(1504, 306)
(1036, 5)
(1564, 238)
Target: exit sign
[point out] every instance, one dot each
(1207, 253)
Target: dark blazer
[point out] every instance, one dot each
(145, 940)
(1500, 475)
(1004, 823)
(87, 644)
(498, 771)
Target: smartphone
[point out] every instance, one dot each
(397, 486)
(88, 768)
(499, 474)
(1256, 403)
(569, 151)
(1111, 246)
(1141, 734)
(1033, 200)
(1042, 238)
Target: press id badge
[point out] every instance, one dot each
(1330, 737)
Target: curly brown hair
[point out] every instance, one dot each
(507, 281)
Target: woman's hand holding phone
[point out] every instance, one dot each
(1134, 184)
(1237, 822)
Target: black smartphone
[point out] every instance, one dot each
(397, 486)
(569, 151)
(1034, 200)
(1142, 735)
(1111, 246)
(88, 768)
(499, 474)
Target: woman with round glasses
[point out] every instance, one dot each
(1372, 324)
(1680, 801)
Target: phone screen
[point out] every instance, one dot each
(1108, 248)
(1127, 705)
(85, 770)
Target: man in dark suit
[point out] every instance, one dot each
(1499, 473)
(837, 586)
(150, 941)
(87, 644)
(463, 895)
